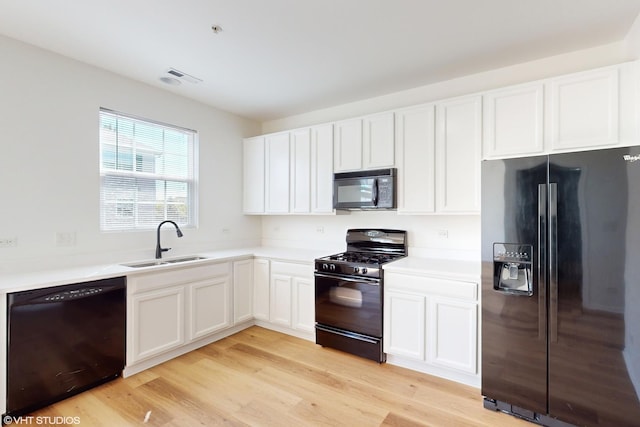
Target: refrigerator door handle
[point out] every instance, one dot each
(542, 246)
(553, 262)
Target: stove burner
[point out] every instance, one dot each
(363, 257)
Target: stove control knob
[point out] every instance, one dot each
(325, 266)
(356, 269)
(332, 267)
(364, 270)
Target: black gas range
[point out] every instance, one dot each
(349, 291)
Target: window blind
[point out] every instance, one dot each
(147, 173)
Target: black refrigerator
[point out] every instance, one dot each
(561, 287)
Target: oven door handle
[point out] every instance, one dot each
(369, 281)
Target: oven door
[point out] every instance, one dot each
(352, 304)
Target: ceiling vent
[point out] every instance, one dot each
(183, 76)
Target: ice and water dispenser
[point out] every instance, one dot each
(512, 268)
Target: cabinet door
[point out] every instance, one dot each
(261, 294)
(458, 145)
(301, 171)
(584, 110)
(304, 304)
(277, 173)
(242, 290)
(322, 169)
(347, 145)
(453, 334)
(253, 175)
(513, 121)
(209, 306)
(157, 322)
(404, 321)
(378, 141)
(415, 145)
(280, 307)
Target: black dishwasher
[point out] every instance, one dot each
(63, 340)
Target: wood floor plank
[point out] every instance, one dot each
(260, 377)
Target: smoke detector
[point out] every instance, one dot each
(175, 77)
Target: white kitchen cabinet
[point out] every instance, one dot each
(292, 296)
(261, 294)
(242, 290)
(457, 350)
(404, 335)
(280, 305)
(581, 111)
(303, 304)
(311, 178)
(458, 154)
(157, 322)
(209, 307)
(584, 109)
(514, 121)
(347, 145)
(300, 180)
(171, 308)
(322, 169)
(277, 173)
(432, 323)
(364, 143)
(378, 141)
(253, 175)
(415, 147)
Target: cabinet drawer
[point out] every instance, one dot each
(432, 286)
(291, 269)
(146, 282)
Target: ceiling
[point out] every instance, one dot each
(277, 58)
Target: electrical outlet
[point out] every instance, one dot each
(226, 230)
(443, 234)
(8, 242)
(66, 238)
(320, 230)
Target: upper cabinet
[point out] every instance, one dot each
(289, 172)
(364, 143)
(253, 174)
(416, 158)
(458, 154)
(312, 170)
(584, 109)
(438, 151)
(513, 121)
(347, 145)
(438, 147)
(277, 173)
(581, 111)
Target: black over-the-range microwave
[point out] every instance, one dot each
(369, 189)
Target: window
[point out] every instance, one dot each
(147, 173)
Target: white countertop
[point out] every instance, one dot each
(21, 281)
(442, 268)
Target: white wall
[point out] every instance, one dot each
(424, 237)
(49, 160)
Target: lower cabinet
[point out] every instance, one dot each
(261, 295)
(242, 290)
(432, 324)
(292, 296)
(172, 308)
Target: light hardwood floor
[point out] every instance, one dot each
(264, 378)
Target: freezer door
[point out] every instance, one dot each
(594, 287)
(514, 328)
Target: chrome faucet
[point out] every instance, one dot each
(160, 249)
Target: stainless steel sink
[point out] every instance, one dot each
(156, 262)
